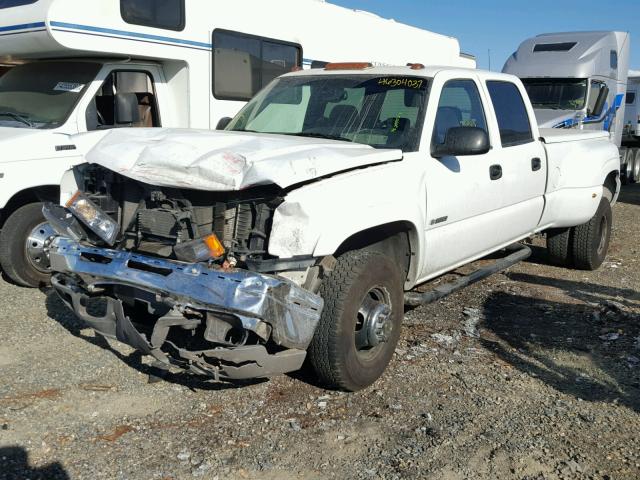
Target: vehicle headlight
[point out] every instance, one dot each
(93, 217)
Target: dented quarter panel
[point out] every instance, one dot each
(317, 218)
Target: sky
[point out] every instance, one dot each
(501, 25)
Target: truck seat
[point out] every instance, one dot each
(145, 107)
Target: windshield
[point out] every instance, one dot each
(557, 93)
(383, 112)
(43, 94)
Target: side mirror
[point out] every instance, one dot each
(126, 108)
(601, 100)
(223, 122)
(461, 141)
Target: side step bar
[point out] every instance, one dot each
(520, 253)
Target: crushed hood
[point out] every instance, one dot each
(223, 161)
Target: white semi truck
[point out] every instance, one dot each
(82, 66)
(302, 228)
(579, 80)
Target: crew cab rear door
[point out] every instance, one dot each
(518, 155)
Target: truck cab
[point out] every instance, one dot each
(575, 79)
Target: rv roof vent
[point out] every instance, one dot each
(554, 47)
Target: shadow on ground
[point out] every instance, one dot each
(15, 465)
(588, 350)
(630, 194)
(58, 311)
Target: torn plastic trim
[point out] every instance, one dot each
(291, 311)
(250, 361)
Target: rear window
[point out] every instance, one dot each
(166, 14)
(511, 113)
(15, 3)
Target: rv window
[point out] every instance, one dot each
(15, 3)
(613, 59)
(631, 97)
(244, 64)
(167, 14)
(511, 113)
(134, 87)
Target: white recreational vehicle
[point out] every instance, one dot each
(95, 65)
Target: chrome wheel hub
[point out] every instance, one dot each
(374, 324)
(37, 247)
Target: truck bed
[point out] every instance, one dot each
(561, 135)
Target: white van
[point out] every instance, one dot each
(96, 65)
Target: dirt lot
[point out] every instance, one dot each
(533, 374)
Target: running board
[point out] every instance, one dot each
(520, 253)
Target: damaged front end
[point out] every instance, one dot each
(221, 317)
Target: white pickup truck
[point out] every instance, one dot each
(297, 231)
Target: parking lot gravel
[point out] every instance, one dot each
(533, 374)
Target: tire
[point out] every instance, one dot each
(591, 240)
(628, 166)
(14, 259)
(625, 169)
(360, 281)
(559, 246)
(636, 165)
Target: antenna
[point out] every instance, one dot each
(489, 53)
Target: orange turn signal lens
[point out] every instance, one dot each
(348, 66)
(214, 245)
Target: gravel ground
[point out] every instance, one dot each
(532, 374)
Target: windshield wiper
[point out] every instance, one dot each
(320, 135)
(18, 117)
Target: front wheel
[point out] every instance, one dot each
(24, 246)
(591, 239)
(361, 320)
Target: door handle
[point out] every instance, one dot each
(536, 164)
(495, 172)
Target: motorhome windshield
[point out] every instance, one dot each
(557, 93)
(383, 112)
(43, 94)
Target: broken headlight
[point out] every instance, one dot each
(93, 217)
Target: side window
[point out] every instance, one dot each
(594, 94)
(631, 98)
(124, 91)
(459, 106)
(167, 14)
(613, 59)
(244, 64)
(511, 113)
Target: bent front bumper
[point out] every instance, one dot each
(276, 310)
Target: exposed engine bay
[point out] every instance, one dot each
(214, 314)
(154, 220)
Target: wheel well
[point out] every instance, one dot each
(46, 193)
(392, 239)
(611, 183)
